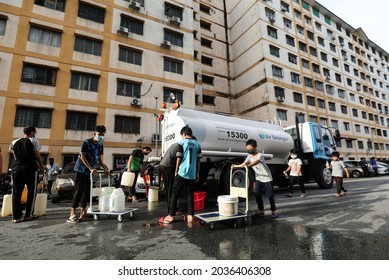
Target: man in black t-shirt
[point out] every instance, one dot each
(24, 172)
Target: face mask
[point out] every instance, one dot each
(293, 156)
(99, 138)
(250, 152)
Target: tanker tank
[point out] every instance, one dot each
(221, 135)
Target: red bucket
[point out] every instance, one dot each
(199, 198)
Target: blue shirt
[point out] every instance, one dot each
(189, 152)
(92, 151)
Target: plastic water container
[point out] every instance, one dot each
(105, 198)
(117, 201)
(198, 200)
(40, 204)
(153, 194)
(127, 179)
(6, 209)
(228, 205)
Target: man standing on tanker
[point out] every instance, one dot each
(186, 174)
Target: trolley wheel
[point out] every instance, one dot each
(120, 218)
(96, 217)
(132, 214)
(211, 226)
(202, 222)
(248, 221)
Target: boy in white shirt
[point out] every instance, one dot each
(295, 176)
(337, 166)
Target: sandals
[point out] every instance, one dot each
(16, 221)
(188, 220)
(163, 221)
(274, 215)
(72, 220)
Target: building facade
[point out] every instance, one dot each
(68, 65)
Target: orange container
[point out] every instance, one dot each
(24, 195)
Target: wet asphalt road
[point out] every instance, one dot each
(318, 226)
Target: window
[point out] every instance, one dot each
(83, 81)
(343, 109)
(128, 88)
(287, 23)
(323, 121)
(346, 126)
(168, 95)
(341, 93)
(312, 51)
(311, 101)
(208, 100)
(173, 11)
(284, 7)
(335, 62)
(130, 55)
(279, 92)
(272, 32)
(174, 38)
(308, 82)
(205, 25)
(206, 60)
(316, 12)
(305, 63)
(29, 116)
(303, 46)
(360, 145)
(3, 24)
(87, 45)
(310, 35)
(282, 115)
(308, 20)
(206, 43)
(327, 20)
(292, 58)
(318, 26)
(295, 77)
(338, 77)
(289, 40)
(274, 51)
(313, 119)
(270, 13)
(40, 75)
(330, 89)
(297, 14)
(315, 68)
(132, 24)
(128, 125)
(297, 97)
(332, 47)
(90, 12)
(172, 65)
(323, 56)
(319, 86)
(58, 5)
(320, 40)
(321, 103)
(207, 79)
(44, 36)
(331, 106)
(355, 113)
(300, 29)
(80, 121)
(205, 9)
(334, 124)
(305, 5)
(278, 71)
(347, 67)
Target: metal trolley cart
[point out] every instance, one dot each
(211, 218)
(92, 210)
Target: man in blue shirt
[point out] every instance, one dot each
(186, 174)
(91, 152)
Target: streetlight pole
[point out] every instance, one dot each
(156, 126)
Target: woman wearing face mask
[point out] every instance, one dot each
(263, 177)
(91, 154)
(294, 166)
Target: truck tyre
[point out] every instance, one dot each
(325, 177)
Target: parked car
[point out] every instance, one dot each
(63, 186)
(354, 169)
(383, 168)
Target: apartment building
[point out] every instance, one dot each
(67, 65)
(292, 56)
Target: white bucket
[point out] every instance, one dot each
(153, 194)
(117, 201)
(228, 205)
(127, 179)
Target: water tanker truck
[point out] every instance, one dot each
(223, 142)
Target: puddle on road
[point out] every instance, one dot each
(272, 240)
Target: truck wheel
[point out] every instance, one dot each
(325, 178)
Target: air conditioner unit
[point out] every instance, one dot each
(156, 137)
(280, 99)
(332, 37)
(175, 20)
(166, 44)
(342, 44)
(123, 29)
(136, 102)
(134, 5)
(345, 57)
(328, 77)
(272, 19)
(284, 10)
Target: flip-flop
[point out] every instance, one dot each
(72, 220)
(16, 221)
(186, 219)
(274, 215)
(163, 221)
(30, 218)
